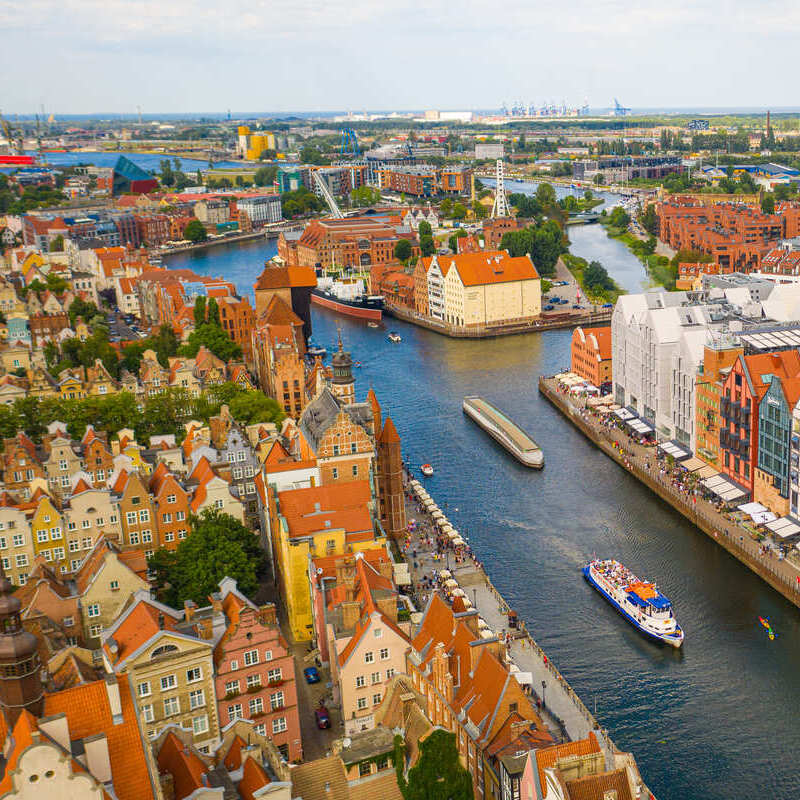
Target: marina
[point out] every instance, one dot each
(504, 431)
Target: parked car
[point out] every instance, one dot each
(549, 307)
(577, 306)
(311, 675)
(607, 305)
(322, 717)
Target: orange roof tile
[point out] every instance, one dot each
(253, 778)
(342, 505)
(188, 770)
(88, 713)
(548, 756)
(389, 432)
(140, 625)
(490, 266)
(233, 758)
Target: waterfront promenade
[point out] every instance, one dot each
(765, 560)
(564, 713)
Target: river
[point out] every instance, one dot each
(714, 721)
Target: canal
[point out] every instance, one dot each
(716, 720)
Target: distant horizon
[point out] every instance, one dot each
(602, 111)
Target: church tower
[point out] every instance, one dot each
(343, 385)
(391, 495)
(20, 679)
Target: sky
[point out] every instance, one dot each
(90, 56)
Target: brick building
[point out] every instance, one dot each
(591, 354)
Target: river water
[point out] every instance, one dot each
(717, 720)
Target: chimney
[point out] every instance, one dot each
(114, 700)
(189, 607)
(97, 759)
(351, 611)
(216, 602)
(269, 615)
(161, 621)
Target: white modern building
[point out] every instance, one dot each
(261, 209)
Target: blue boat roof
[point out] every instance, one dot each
(659, 601)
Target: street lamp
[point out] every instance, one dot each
(544, 686)
(475, 596)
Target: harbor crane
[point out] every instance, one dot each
(620, 110)
(15, 144)
(322, 186)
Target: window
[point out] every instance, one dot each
(369, 657)
(375, 677)
(74, 546)
(275, 675)
(170, 498)
(360, 681)
(376, 699)
(250, 658)
(144, 515)
(261, 730)
(279, 725)
(135, 501)
(378, 633)
(355, 470)
(55, 533)
(180, 516)
(197, 699)
(234, 665)
(335, 473)
(364, 768)
(230, 457)
(94, 611)
(362, 703)
(68, 622)
(237, 473)
(169, 537)
(256, 705)
(94, 630)
(84, 523)
(219, 504)
(231, 686)
(71, 526)
(168, 682)
(276, 700)
(172, 706)
(336, 449)
(166, 517)
(58, 553)
(74, 564)
(41, 536)
(249, 471)
(147, 537)
(48, 556)
(133, 537)
(241, 456)
(86, 542)
(147, 713)
(268, 655)
(193, 675)
(253, 681)
(18, 539)
(384, 653)
(389, 673)
(235, 712)
(130, 517)
(22, 560)
(143, 689)
(199, 724)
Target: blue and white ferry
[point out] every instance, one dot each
(638, 601)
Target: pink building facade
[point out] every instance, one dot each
(255, 676)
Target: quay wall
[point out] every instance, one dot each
(744, 550)
(508, 329)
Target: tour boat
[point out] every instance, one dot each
(394, 337)
(372, 324)
(638, 601)
(315, 350)
(427, 470)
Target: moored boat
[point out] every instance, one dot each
(640, 602)
(426, 470)
(394, 337)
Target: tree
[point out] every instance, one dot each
(80, 308)
(526, 205)
(598, 179)
(365, 196)
(768, 203)
(446, 207)
(218, 546)
(648, 219)
(194, 231)
(546, 195)
(522, 142)
(438, 774)
(167, 175)
(213, 313)
(619, 217)
(57, 244)
(402, 250)
(424, 229)
(480, 210)
(453, 240)
(214, 339)
(427, 246)
(459, 211)
(254, 407)
(199, 310)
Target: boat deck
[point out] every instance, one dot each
(520, 439)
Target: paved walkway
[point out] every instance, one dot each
(563, 712)
(642, 462)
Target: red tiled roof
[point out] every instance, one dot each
(253, 778)
(188, 770)
(490, 266)
(233, 758)
(141, 624)
(342, 505)
(548, 756)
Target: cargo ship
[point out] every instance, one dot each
(638, 601)
(504, 431)
(348, 296)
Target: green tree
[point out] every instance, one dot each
(459, 211)
(57, 244)
(424, 229)
(365, 196)
(427, 246)
(446, 207)
(218, 546)
(251, 408)
(199, 310)
(768, 203)
(526, 206)
(479, 210)
(213, 313)
(402, 250)
(546, 195)
(598, 179)
(438, 774)
(167, 174)
(619, 217)
(213, 338)
(648, 219)
(80, 308)
(453, 240)
(194, 231)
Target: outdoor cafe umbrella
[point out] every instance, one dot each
(450, 583)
